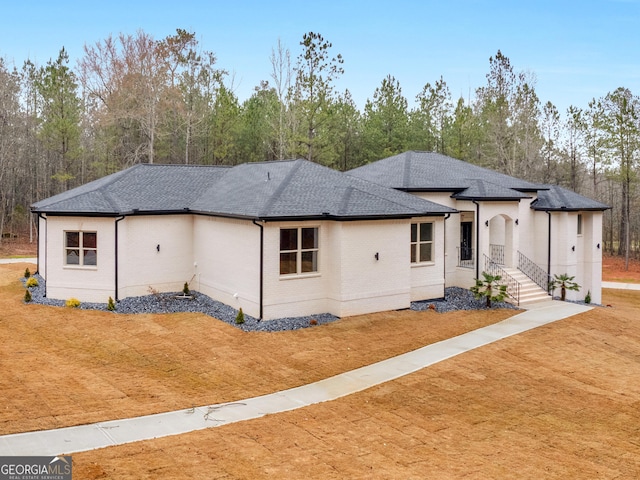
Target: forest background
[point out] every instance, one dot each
(133, 98)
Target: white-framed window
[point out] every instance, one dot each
(421, 242)
(298, 250)
(579, 224)
(81, 248)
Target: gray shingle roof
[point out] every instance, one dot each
(434, 172)
(558, 198)
(269, 190)
(428, 171)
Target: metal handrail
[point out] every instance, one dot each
(466, 257)
(497, 253)
(534, 272)
(513, 286)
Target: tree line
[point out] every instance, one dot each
(133, 99)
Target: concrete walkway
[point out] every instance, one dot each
(18, 260)
(117, 432)
(621, 286)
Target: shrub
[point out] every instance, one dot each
(72, 303)
(587, 299)
(111, 306)
(27, 273)
(489, 288)
(27, 296)
(185, 289)
(240, 317)
(32, 282)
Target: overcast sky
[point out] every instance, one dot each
(578, 50)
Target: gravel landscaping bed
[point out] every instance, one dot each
(455, 299)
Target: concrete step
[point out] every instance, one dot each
(530, 292)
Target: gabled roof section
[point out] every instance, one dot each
(295, 189)
(556, 198)
(433, 172)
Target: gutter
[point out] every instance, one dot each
(549, 250)
(41, 217)
(444, 222)
(116, 256)
(477, 238)
(255, 222)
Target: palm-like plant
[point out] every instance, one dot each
(489, 288)
(564, 282)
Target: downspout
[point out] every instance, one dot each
(447, 216)
(116, 256)
(549, 251)
(261, 264)
(46, 230)
(477, 238)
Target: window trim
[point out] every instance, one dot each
(419, 242)
(81, 249)
(299, 252)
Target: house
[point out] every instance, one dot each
(523, 231)
(292, 238)
(278, 239)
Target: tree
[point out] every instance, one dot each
(281, 75)
(345, 130)
(60, 117)
(574, 130)
(509, 111)
(489, 287)
(127, 83)
(10, 175)
(550, 146)
(621, 111)
(315, 72)
(434, 115)
(564, 282)
(386, 121)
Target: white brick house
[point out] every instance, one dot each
(294, 238)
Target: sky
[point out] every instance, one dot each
(577, 50)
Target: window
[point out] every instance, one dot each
(421, 242)
(81, 248)
(298, 250)
(579, 224)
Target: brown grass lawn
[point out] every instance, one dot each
(561, 401)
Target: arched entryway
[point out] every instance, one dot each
(501, 241)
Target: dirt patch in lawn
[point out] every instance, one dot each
(613, 270)
(64, 366)
(557, 402)
(560, 401)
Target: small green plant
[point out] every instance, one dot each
(72, 303)
(489, 288)
(111, 306)
(27, 273)
(185, 289)
(587, 299)
(32, 282)
(564, 282)
(27, 296)
(240, 317)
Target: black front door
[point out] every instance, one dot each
(466, 237)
